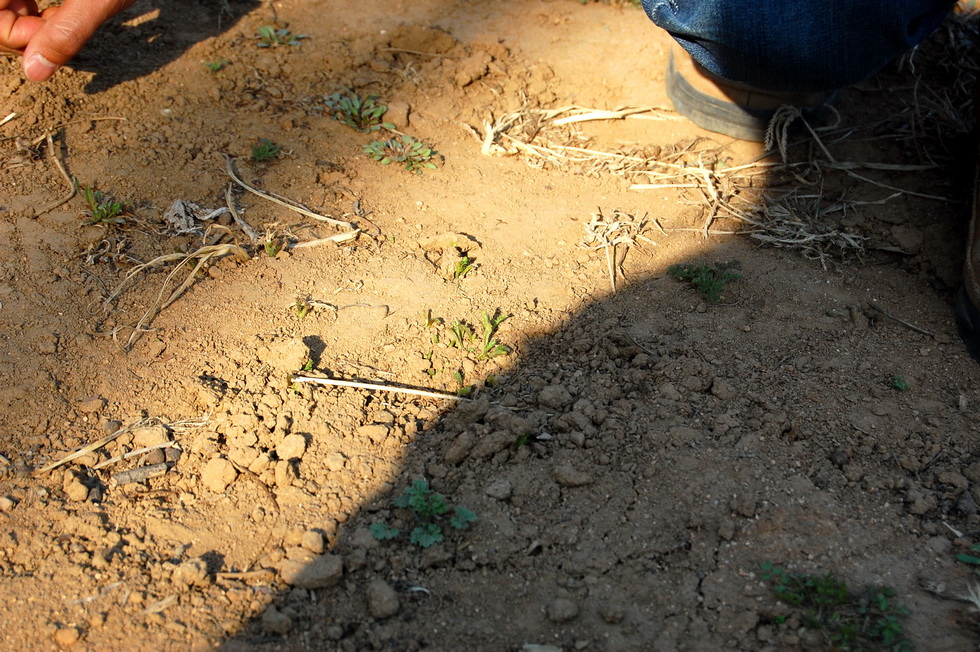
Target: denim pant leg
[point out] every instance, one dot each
(799, 46)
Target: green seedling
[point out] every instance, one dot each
(489, 346)
(307, 366)
(848, 620)
(216, 66)
(973, 558)
(303, 308)
(462, 389)
(270, 37)
(413, 154)
(898, 383)
(265, 150)
(102, 209)
(273, 246)
(460, 336)
(463, 266)
(361, 113)
(430, 509)
(709, 280)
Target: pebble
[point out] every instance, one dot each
(150, 436)
(561, 610)
(191, 573)
(91, 404)
(322, 572)
(500, 489)
(554, 397)
(276, 622)
(292, 447)
(74, 488)
(382, 599)
(568, 476)
(376, 432)
(218, 473)
(313, 541)
(67, 636)
(335, 461)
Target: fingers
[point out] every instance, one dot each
(63, 34)
(18, 22)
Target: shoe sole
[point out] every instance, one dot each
(729, 118)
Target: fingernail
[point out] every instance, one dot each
(37, 68)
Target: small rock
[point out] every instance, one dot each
(612, 613)
(335, 461)
(500, 489)
(561, 610)
(382, 599)
(313, 541)
(568, 476)
(972, 473)
(554, 397)
(965, 504)
(67, 636)
(839, 458)
(397, 114)
(322, 572)
(276, 622)
(91, 404)
(722, 389)
(958, 482)
(292, 447)
(459, 449)
(218, 473)
(73, 487)
(150, 436)
(376, 432)
(191, 573)
(7, 503)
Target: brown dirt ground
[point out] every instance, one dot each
(634, 459)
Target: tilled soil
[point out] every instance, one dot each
(633, 456)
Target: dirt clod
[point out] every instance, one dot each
(382, 599)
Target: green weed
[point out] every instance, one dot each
(361, 113)
(868, 619)
(414, 154)
(898, 383)
(102, 209)
(270, 37)
(485, 346)
(464, 266)
(429, 509)
(709, 280)
(265, 150)
(216, 66)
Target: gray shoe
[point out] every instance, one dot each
(730, 108)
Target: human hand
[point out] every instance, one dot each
(49, 39)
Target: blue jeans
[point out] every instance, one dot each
(797, 46)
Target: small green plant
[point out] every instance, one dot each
(265, 150)
(462, 389)
(102, 209)
(709, 280)
(430, 509)
(414, 154)
(489, 346)
(270, 37)
(216, 66)
(463, 266)
(460, 336)
(303, 307)
(898, 383)
(361, 113)
(869, 619)
(273, 245)
(307, 366)
(973, 558)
